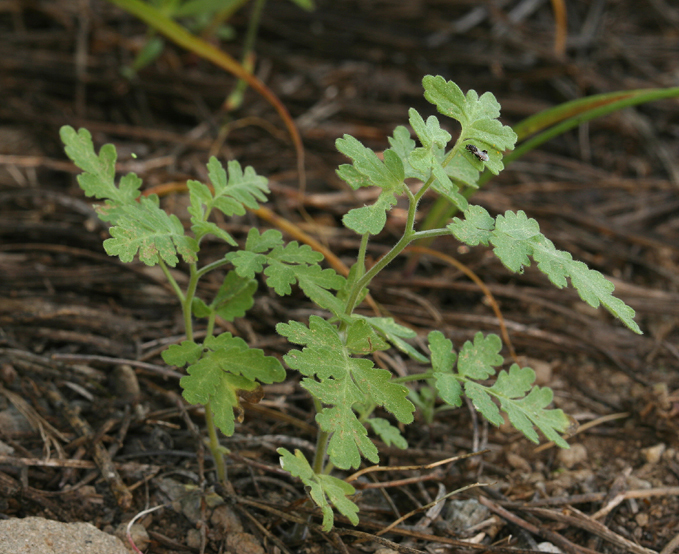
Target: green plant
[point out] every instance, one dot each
(344, 384)
(542, 127)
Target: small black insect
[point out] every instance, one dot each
(480, 154)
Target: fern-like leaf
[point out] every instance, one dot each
(516, 239)
(478, 117)
(341, 381)
(388, 175)
(514, 391)
(325, 490)
(144, 228)
(228, 367)
(288, 265)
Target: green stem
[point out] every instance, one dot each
(321, 441)
(209, 330)
(210, 267)
(415, 377)
(409, 235)
(171, 280)
(360, 260)
(188, 300)
(215, 447)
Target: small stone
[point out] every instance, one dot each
(634, 482)
(35, 535)
(642, 519)
(125, 384)
(518, 462)
(225, 521)
(138, 533)
(576, 454)
(243, 543)
(549, 547)
(463, 514)
(653, 454)
(193, 538)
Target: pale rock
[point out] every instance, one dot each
(572, 456)
(653, 454)
(35, 535)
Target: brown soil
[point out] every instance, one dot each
(80, 331)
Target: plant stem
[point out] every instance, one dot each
(171, 280)
(187, 301)
(209, 267)
(409, 235)
(215, 447)
(321, 441)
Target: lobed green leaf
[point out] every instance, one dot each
(395, 333)
(324, 490)
(388, 175)
(227, 367)
(516, 239)
(145, 229)
(234, 297)
(478, 360)
(527, 411)
(98, 179)
(340, 381)
(388, 433)
(179, 355)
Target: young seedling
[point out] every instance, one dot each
(345, 386)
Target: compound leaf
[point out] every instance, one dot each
(376, 383)
(263, 242)
(388, 433)
(388, 175)
(478, 360)
(483, 402)
(349, 440)
(246, 188)
(442, 354)
(362, 338)
(179, 355)
(478, 117)
(325, 490)
(516, 239)
(395, 334)
(443, 359)
(476, 227)
(145, 229)
(527, 411)
(98, 179)
(227, 367)
(429, 133)
(235, 296)
(340, 382)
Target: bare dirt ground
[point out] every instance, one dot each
(82, 379)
